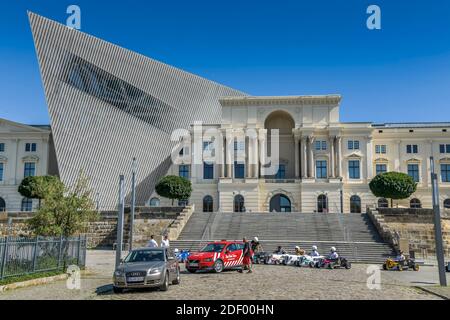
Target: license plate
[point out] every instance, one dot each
(135, 279)
(193, 264)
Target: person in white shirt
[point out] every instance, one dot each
(314, 252)
(152, 243)
(165, 242)
(333, 254)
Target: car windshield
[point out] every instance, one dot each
(213, 247)
(145, 256)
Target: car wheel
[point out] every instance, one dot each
(218, 266)
(416, 267)
(329, 266)
(177, 279)
(311, 264)
(117, 289)
(400, 268)
(191, 270)
(348, 265)
(165, 285)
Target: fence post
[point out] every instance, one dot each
(60, 250)
(35, 253)
(5, 250)
(79, 249)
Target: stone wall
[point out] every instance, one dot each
(415, 225)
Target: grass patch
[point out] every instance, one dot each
(31, 276)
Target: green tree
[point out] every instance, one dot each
(40, 187)
(64, 213)
(174, 187)
(393, 185)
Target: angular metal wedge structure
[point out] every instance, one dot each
(108, 104)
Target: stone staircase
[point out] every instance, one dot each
(353, 235)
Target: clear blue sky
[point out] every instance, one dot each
(398, 74)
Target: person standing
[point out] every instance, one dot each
(247, 252)
(165, 242)
(152, 243)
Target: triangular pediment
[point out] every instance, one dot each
(7, 126)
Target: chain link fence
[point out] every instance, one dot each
(24, 255)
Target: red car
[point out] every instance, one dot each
(217, 256)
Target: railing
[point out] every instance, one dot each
(280, 180)
(20, 255)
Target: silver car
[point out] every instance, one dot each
(146, 268)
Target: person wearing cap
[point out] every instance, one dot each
(314, 252)
(333, 254)
(299, 251)
(256, 246)
(400, 257)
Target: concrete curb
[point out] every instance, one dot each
(33, 282)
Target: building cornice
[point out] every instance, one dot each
(281, 100)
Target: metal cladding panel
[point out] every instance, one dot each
(108, 104)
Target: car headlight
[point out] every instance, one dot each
(118, 273)
(153, 271)
(208, 260)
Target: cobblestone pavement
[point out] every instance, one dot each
(266, 282)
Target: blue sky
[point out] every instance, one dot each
(398, 74)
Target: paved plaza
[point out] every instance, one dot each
(266, 282)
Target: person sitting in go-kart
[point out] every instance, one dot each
(333, 255)
(400, 258)
(298, 251)
(314, 252)
(279, 250)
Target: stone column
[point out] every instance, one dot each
(223, 157)
(230, 152)
(398, 161)
(339, 156)
(304, 158)
(248, 157)
(369, 158)
(297, 164)
(255, 157)
(312, 173)
(262, 149)
(332, 161)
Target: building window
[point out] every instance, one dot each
(355, 204)
(413, 171)
(30, 147)
(239, 169)
(412, 148)
(281, 173)
(380, 148)
(239, 145)
(380, 168)
(208, 170)
(207, 204)
(445, 172)
(321, 169)
(322, 203)
(239, 204)
(2, 147)
(353, 145)
(415, 204)
(321, 145)
(353, 169)
(27, 204)
(29, 169)
(447, 204)
(444, 148)
(383, 203)
(183, 171)
(1, 171)
(154, 202)
(2, 205)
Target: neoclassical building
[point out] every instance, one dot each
(324, 165)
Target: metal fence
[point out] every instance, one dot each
(23, 255)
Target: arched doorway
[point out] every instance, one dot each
(154, 202)
(355, 204)
(415, 204)
(207, 204)
(2, 205)
(322, 203)
(280, 203)
(239, 203)
(447, 204)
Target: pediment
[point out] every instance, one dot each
(7, 126)
(446, 159)
(3, 159)
(30, 158)
(413, 160)
(354, 155)
(383, 160)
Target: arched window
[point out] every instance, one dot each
(383, 203)
(239, 203)
(280, 203)
(415, 203)
(154, 202)
(355, 204)
(447, 204)
(208, 204)
(2, 205)
(27, 204)
(322, 203)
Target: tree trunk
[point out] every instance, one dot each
(392, 203)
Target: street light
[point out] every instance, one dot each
(133, 199)
(437, 225)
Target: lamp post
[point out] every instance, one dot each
(120, 220)
(133, 199)
(437, 225)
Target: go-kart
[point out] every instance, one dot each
(260, 257)
(334, 263)
(290, 259)
(308, 261)
(391, 264)
(275, 258)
